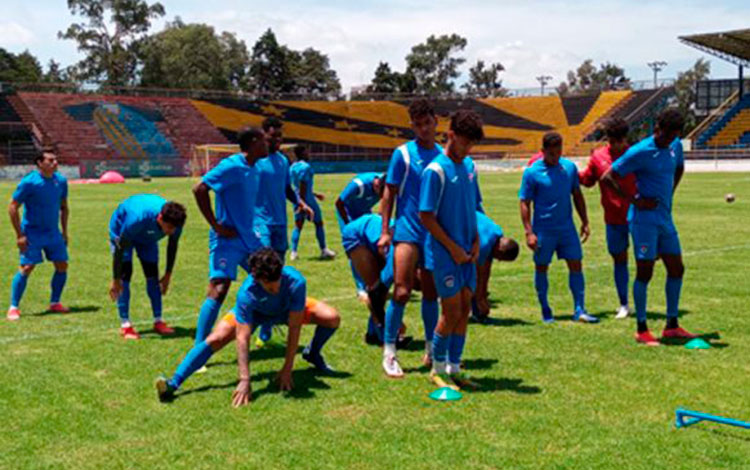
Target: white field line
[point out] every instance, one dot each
(113, 330)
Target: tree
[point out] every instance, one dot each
(19, 68)
(387, 81)
(434, 64)
(192, 56)
(54, 73)
(588, 79)
(684, 88)
(313, 74)
(110, 37)
(271, 66)
(485, 82)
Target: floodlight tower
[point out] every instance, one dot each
(657, 66)
(543, 81)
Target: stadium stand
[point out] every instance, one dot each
(17, 142)
(730, 130)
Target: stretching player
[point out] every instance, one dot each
(232, 238)
(447, 209)
(402, 184)
(657, 163)
(549, 184)
(271, 294)
(43, 193)
(493, 244)
(139, 222)
(615, 206)
(302, 175)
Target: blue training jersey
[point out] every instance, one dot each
(448, 190)
(41, 199)
(405, 172)
(134, 220)
(235, 184)
(300, 172)
(654, 170)
(252, 299)
(358, 196)
(550, 188)
(489, 234)
(273, 178)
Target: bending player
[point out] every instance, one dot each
(549, 184)
(493, 245)
(139, 222)
(402, 185)
(271, 294)
(447, 208)
(43, 193)
(657, 163)
(615, 206)
(302, 175)
(232, 237)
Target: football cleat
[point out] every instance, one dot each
(13, 314)
(164, 390)
(645, 337)
(392, 368)
(622, 312)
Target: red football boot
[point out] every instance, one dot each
(646, 338)
(163, 329)
(129, 333)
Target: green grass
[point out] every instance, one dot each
(75, 395)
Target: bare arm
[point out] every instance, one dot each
(580, 204)
(430, 222)
(483, 279)
(64, 214)
(640, 202)
(15, 217)
(341, 208)
(243, 393)
(292, 343)
(386, 210)
(200, 191)
(531, 239)
(588, 176)
(291, 194)
(678, 177)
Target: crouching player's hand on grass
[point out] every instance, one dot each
(115, 289)
(284, 378)
(242, 394)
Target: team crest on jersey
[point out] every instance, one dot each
(449, 281)
(644, 249)
(471, 177)
(223, 262)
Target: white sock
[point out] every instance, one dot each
(157, 319)
(428, 348)
(439, 367)
(454, 368)
(125, 324)
(389, 349)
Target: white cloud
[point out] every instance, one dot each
(14, 34)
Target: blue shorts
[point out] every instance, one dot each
(317, 214)
(617, 238)
(409, 231)
(652, 239)
(565, 243)
(224, 257)
(147, 252)
(450, 279)
(273, 236)
(351, 238)
(386, 274)
(52, 244)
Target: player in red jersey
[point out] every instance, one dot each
(615, 206)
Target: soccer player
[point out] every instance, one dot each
(493, 244)
(139, 222)
(232, 237)
(272, 293)
(549, 184)
(274, 186)
(447, 209)
(657, 163)
(615, 206)
(43, 193)
(302, 175)
(402, 185)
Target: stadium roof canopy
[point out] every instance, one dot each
(732, 46)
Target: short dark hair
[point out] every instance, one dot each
(510, 248)
(300, 152)
(467, 123)
(174, 213)
(421, 107)
(551, 139)
(247, 135)
(266, 265)
(670, 120)
(46, 149)
(616, 128)
(272, 121)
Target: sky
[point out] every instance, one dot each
(530, 38)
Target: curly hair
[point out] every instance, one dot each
(616, 128)
(467, 123)
(272, 121)
(670, 120)
(300, 152)
(266, 265)
(551, 139)
(247, 136)
(174, 213)
(421, 107)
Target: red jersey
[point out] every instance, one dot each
(615, 206)
(535, 157)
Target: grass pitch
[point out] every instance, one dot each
(75, 395)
